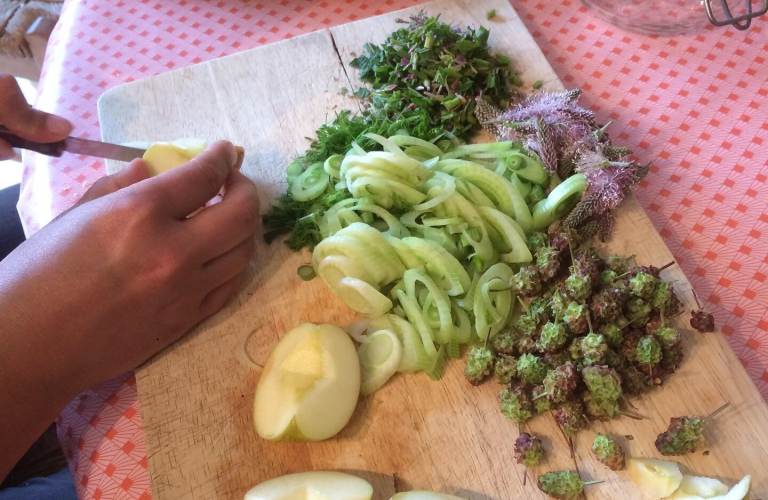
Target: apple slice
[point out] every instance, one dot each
(314, 485)
(424, 495)
(309, 387)
(738, 492)
(697, 487)
(656, 478)
(707, 488)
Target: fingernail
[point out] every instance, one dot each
(58, 125)
(232, 154)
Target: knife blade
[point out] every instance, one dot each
(75, 145)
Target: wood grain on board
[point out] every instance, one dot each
(196, 397)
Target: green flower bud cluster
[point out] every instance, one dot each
(608, 452)
(479, 364)
(515, 404)
(593, 349)
(563, 485)
(684, 435)
(529, 450)
(530, 369)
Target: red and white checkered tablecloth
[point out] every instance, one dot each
(694, 105)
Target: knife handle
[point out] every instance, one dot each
(47, 148)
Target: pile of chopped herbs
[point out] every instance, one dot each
(424, 81)
(438, 68)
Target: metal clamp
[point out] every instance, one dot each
(741, 22)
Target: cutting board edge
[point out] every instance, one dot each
(108, 94)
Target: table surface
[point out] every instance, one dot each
(694, 106)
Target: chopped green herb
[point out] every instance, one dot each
(362, 92)
(490, 14)
(438, 68)
(537, 84)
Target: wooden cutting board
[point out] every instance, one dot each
(196, 397)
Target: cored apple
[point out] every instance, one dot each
(309, 387)
(314, 485)
(656, 478)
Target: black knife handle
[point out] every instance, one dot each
(47, 148)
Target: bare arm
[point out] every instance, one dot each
(115, 280)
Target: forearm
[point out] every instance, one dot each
(28, 407)
(33, 387)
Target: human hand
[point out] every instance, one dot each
(25, 121)
(124, 274)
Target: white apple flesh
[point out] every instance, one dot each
(162, 156)
(316, 485)
(309, 387)
(697, 487)
(655, 478)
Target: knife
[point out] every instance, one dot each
(74, 145)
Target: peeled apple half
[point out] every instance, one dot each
(310, 385)
(314, 485)
(655, 478)
(162, 156)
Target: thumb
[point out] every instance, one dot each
(186, 188)
(136, 171)
(25, 121)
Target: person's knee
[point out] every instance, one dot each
(59, 486)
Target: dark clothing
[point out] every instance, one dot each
(57, 486)
(11, 232)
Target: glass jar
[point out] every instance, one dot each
(674, 17)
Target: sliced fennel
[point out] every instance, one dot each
(407, 257)
(357, 251)
(332, 166)
(440, 265)
(491, 308)
(414, 356)
(440, 299)
(362, 297)
(559, 201)
(310, 184)
(306, 273)
(523, 187)
(438, 194)
(435, 370)
(462, 327)
(478, 149)
(396, 228)
(334, 268)
(532, 170)
(499, 189)
(380, 355)
(416, 318)
(515, 247)
(380, 248)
